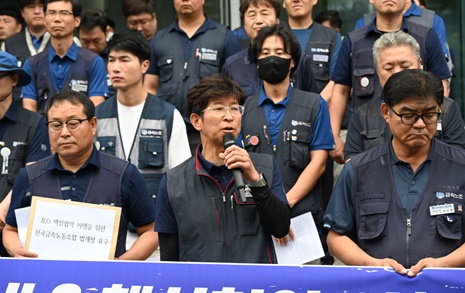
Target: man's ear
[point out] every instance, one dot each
(385, 112)
(77, 21)
(145, 66)
(196, 121)
(15, 78)
(93, 124)
(108, 30)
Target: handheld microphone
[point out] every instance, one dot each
(229, 140)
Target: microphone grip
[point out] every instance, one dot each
(238, 178)
(229, 140)
(239, 183)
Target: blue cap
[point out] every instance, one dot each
(8, 63)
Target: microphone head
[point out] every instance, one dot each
(228, 140)
(5, 152)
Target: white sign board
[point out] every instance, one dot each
(67, 230)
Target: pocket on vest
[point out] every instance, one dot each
(107, 144)
(373, 218)
(16, 162)
(208, 67)
(320, 71)
(245, 216)
(165, 67)
(364, 82)
(151, 152)
(372, 138)
(449, 226)
(299, 153)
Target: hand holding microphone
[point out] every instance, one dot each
(228, 140)
(242, 160)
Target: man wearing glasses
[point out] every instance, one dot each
(63, 65)
(140, 16)
(200, 214)
(400, 204)
(367, 129)
(78, 172)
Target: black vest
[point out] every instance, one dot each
(46, 183)
(16, 45)
(80, 71)
(365, 82)
(150, 149)
(18, 138)
(291, 152)
(381, 223)
(226, 229)
(320, 48)
(177, 75)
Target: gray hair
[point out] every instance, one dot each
(395, 39)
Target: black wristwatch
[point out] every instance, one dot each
(259, 183)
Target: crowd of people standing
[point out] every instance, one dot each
(152, 111)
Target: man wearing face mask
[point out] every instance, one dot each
(290, 124)
(242, 68)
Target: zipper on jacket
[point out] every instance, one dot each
(407, 241)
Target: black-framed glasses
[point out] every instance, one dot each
(71, 124)
(411, 118)
(221, 109)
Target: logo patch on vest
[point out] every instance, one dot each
(208, 54)
(79, 85)
(151, 132)
(295, 123)
(319, 50)
(17, 143)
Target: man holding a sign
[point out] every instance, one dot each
(80, 173)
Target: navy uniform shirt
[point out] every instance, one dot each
(137, 204)
(340, 213)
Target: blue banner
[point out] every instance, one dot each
(33, 276)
